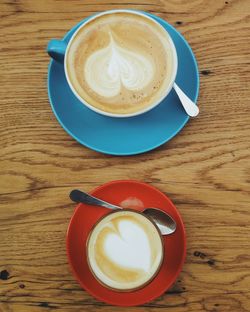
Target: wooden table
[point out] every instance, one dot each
(204, 170)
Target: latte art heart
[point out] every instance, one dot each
(124, 250)
(108, 69)
(124, 247)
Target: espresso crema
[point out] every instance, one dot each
(125, 250)
(120, 62)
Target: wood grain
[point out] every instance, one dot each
(205, 170)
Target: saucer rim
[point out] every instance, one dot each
(149, 298)
(138, 150)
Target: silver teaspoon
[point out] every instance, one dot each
(164, 222)
(190, 107)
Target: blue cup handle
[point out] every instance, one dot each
(56, 49)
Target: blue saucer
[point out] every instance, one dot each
(132, 135)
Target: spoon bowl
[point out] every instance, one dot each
(164, 222)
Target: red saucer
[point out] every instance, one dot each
(85, 217)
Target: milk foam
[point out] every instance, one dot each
(108, 69)
(129, 247)
(120, 62)
(124, 250)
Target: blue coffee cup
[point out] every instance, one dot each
(58, 50)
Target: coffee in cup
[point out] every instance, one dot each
(125, 250)
(121, 63)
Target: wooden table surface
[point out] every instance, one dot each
(204, 170)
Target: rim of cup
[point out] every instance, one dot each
(172, 80)
(158, 268)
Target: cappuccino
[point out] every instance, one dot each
(120, 62)
(125, 250)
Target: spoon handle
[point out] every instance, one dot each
(81, 197)
(190, 107)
